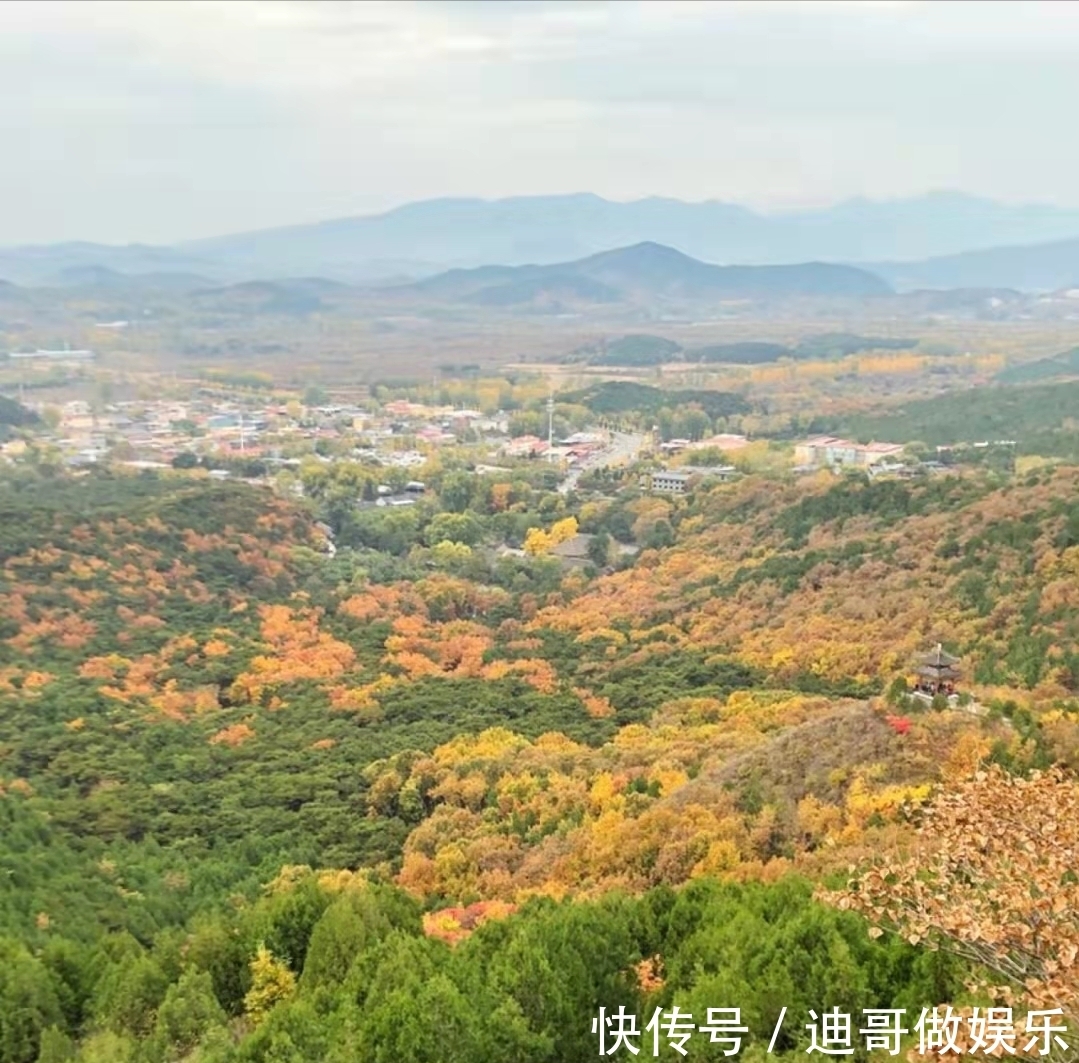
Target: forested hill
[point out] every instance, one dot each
(194, 695)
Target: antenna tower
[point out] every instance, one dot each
(550, 425)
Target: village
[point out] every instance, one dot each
(398, 434)
(230, 433)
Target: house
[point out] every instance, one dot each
(66, 355)
(725, 441)
(670, 482)
(825, 450)
(876, 452)
(403, 408)
(435, 434)
(584, 439)
(573, 553)
(464, 417)
(406, 459)
(833, 451)
(142, 466)
(712, 472)
(894, 469)
(524, 446)
(86, 456)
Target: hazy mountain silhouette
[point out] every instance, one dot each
(101, 278)
(1032, 268)
(47, 264)
(295, 296)
(642, 272)
(422, 239)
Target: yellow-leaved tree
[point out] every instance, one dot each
(991, 877)
(271, 982)
(562, 530)
(538, 541)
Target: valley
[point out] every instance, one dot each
(498, 646)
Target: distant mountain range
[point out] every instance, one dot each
(1030, 268)
(639, 277)
(423, 238)
(941, 240)
(77, 264)
(639, 280)
(102, 278)
(643, 272)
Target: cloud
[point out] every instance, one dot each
(164, 120)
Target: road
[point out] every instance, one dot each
(622, 449)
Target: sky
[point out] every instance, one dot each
(126, 121)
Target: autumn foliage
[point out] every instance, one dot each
(992, 878)
(494, 736)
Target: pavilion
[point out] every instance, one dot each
(938, 672)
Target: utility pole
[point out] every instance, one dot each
(242, 447)
(550, 426)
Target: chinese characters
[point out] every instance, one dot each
(989, 1031)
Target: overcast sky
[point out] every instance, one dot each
(157, 122)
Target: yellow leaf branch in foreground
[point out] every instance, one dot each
(992, 877)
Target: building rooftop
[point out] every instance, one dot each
(576, 547)
(723, 441)
(827, 441)
(937, 663)
(708, 470)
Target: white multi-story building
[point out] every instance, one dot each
(671, 482)
(832, 451)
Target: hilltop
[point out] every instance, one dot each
(643, 272)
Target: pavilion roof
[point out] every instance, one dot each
(939, 672)
(937, 662)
